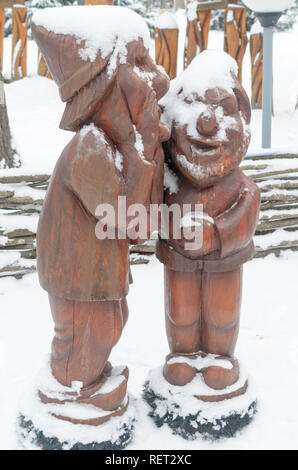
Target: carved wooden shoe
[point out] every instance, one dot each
(179, 373)
(178, 369)
(218, 373)
(218, 377)
(108, 394)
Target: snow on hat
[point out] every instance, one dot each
(79, 42)
(210, 69)
(207, 70)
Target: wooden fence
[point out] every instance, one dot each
(19, 37)
(166, 40)
(235, 40)
(197, 32)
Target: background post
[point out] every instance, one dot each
(267, 86)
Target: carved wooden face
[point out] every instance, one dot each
(217, 139)
(130, 111)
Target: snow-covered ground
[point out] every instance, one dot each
(268, 342)
(268, 346)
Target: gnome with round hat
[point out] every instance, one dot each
(98, 56)
(202, 388)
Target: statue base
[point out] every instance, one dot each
(33, 438)
(190, 417)
(73, 425)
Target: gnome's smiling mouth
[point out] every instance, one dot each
(205, 148)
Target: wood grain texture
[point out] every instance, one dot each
(87, 277)
(256, 53)
(235, 41)
(19, 43)
(99, 2)
(10, 3)
(42, 68)
(166, 49)
(197, 35)
(213, 5)
(203, 283)
(2, 23)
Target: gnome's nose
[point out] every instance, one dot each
(207, 123)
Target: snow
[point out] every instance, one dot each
(217, 67)
(145, 75)
(268, 344)
(139, 145)
(268, 5)
(35, 110)
(208, 70)
(23, 190)
(116, 157)
(12, 222)
(166, 21)
(194, 169)
(192, 10)
(170, 180)
(276, 238)
(41, 414)
(202, 362)
(119, 161)
(117, 25)
(32, 408)
(94, 130)
(7, 258)
(256, 28)
(188, 404)
(111, 384)
(230, 16)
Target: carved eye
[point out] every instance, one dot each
(229, 106)
(140, 61)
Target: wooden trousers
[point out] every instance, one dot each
(202, 310)
(85, 333)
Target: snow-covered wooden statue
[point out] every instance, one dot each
(98, 56)
(209, 114)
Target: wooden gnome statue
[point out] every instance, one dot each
(98, 56)
(209, 114)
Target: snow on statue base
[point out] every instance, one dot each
(190, 417)
(30, 438)
(51, 426)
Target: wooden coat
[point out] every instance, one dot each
(233, 204)
(72, 262)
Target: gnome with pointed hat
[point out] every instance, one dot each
(98, 56)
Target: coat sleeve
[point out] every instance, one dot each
(94, 175)
(236, 226)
